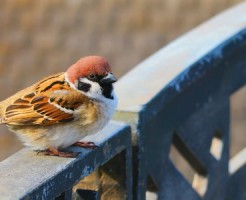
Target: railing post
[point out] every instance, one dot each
(167, 98)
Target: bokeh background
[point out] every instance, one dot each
(41, 37)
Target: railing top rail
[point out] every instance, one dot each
(25, 174)
(138, 87)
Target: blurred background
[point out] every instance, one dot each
(41, 37)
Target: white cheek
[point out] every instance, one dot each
(95, 91)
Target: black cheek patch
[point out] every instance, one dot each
(85, 87)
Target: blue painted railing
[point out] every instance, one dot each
(179, 96)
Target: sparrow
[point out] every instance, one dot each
(63, 108)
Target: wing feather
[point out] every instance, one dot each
(53, 101)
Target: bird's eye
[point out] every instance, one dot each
(92, 77)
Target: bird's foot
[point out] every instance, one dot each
(89, 145)
(52, 151)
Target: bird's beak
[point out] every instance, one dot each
(110, 78)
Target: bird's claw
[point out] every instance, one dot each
(89, 145)
(55, 152)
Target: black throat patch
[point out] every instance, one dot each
(107, 90)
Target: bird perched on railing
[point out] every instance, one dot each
(61, 109)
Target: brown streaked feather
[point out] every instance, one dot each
(29, 95)
(37, 99)
(43, 105)
(21, 101)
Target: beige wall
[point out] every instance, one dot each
(45, 36)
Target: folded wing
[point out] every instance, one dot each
(52, 102)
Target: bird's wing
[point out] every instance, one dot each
(51, 101)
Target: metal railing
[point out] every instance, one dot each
(28, 176)
(179, 96)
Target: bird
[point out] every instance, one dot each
(61, 109)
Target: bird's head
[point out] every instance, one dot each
(92, 75)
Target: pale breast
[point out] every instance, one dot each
(97, 115)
